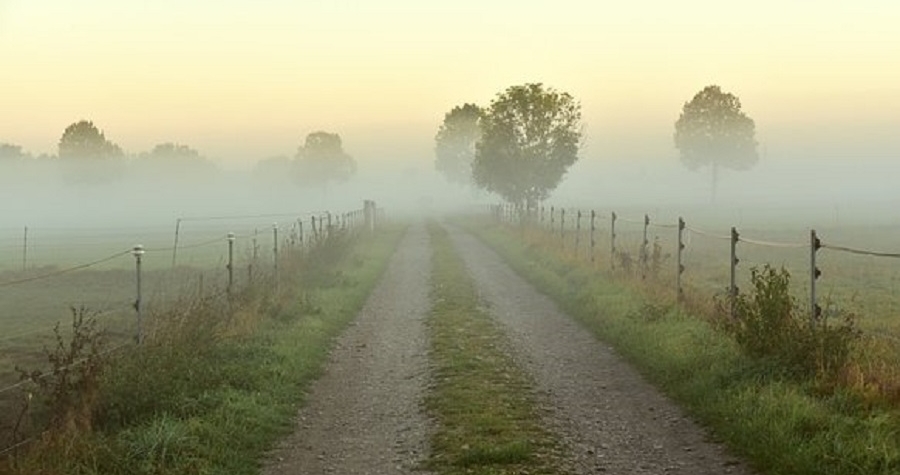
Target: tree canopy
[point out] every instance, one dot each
(321, 160)
(82, 140)
(455, 143)
(713, 131)
(9, 151)
(87, 156)
(530, 136)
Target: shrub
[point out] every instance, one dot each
(68, 391)
(770, 325)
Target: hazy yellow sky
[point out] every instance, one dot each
(243, 80)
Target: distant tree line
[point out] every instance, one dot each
(521, 146)
(87, 156)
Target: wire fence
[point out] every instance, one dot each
(685, 258)
(202, 258)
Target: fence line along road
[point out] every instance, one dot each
(558, 227)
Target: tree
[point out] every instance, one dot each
(175, 163)
(87, 156)
(713, 131)
(82, 140)
(455, 143)
(10, 152)
(530, 136)
(172, 152)
(321, 160)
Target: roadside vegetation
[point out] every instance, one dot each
(774, 389)
(487, 419)
(216, 382)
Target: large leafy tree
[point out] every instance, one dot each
(713, 131)
(530, 136)
(322, 160)
(455, 143)
(87, 156)
(82, 140)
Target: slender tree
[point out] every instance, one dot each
(530, 137)
(713, 131)
(455, 143)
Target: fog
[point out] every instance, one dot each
(46, 193)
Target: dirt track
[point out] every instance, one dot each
(364, 415)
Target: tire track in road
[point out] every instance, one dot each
(608, 417)
(364, 414)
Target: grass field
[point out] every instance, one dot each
(34, 301)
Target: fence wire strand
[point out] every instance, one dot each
(64, 271)
(861, 252)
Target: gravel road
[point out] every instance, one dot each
(609, 418)
(364, 415)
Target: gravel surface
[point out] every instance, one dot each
(608, 417)
(364, 415)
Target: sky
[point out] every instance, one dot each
(246, 80)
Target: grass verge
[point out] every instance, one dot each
(487, 419)
(216, 405)
(781, 425)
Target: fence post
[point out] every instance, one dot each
(679, 292)
(552, 219)
(25, 250)
(612, 245)
(275, 253)
(175, 246)
(593, 230)
(732, 289)
(645, 253)
(542, 215)
(230, 265)
(137, 252)
(577, 232)
(814, 273)
(253, 259)
(300, 231)
(562, 228)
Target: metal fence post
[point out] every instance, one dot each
(138, 252)
(612, 245)
(814, 310)
(275, 253)
(175, 246)
(25, 250)
(230, 265)
(645, 253)
(593, 230)
(300, 231)
(679, 292)
(577, 233)
(562, 228)
(732, 289)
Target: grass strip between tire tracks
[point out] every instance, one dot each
(487, 419)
